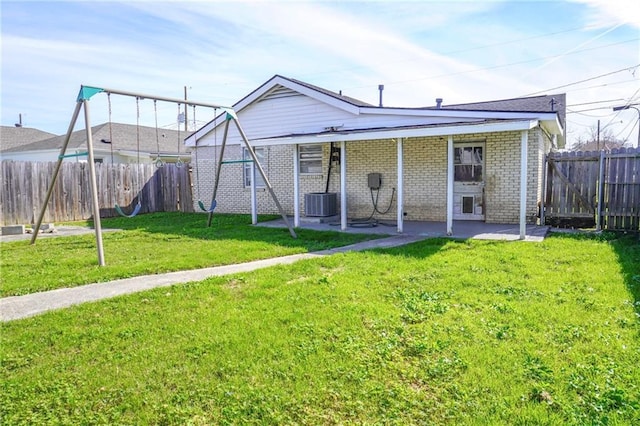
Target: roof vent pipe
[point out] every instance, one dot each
(380, 88)
(438, 103)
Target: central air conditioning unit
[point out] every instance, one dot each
(320, 204)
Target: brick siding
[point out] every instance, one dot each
(425, 177)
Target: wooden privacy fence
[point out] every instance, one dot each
(593, 188)
(25, 184)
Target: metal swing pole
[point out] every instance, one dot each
(94, 186)
(63, 151)
(264, 176)
(218, 168)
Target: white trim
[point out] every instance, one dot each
(343, 185)
(450, 185)
(302, 89)
(304, 161)
(400, 198)
(254, 200)
(296, 188)
(524, 138)
(390, 133)
(459, 113)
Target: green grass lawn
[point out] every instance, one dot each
(151, 244)
(438, 332)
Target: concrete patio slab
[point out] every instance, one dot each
(461, 229)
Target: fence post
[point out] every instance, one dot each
(544, 189)
(600, 192)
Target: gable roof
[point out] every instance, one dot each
(11, 136)
(325, 109)
(125, 138)
(279, 86)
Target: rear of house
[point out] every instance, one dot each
(442, 163)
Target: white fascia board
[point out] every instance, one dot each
(313, 94)
(553, 126)
(304, 90)
(458, 113)
(400, 133)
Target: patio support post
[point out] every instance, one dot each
(450, 185)
(296, 187)
(254, 200)
(400, 206)
(524, 139)
(343, 185)
(256, 163)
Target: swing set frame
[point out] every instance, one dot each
(82, 103)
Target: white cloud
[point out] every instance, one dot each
(603, 11)
(224, 50)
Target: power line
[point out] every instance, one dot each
(585, 80)
(515, 63)
(581, 112)
(602, 85)
(589, 109)
(635, 123)
(596, 102)
(631, 99)
(453, 52)
(576, 48)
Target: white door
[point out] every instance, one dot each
(468, 181)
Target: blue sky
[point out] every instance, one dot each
(462, 51)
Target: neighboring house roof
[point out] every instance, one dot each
(125, 138)
(11, 136)
(285, 110)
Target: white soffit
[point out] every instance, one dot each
(392, 133)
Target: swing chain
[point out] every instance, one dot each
(179, 163)
(159, 163)
(110, 129)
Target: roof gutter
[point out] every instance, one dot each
(351, 136)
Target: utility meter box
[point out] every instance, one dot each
(374, 180)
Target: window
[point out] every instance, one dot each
(247, 167)
(467, 163)
(310, 159)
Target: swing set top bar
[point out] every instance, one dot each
(86, 92)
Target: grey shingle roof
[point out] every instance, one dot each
(124, 137)
(11, 137)
(348, 99)
(529, 104)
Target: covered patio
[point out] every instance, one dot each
(462, 229)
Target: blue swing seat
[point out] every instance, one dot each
(214, 203)
(135, 211)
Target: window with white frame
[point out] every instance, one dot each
(310, 159)
(467, 162)
(247, 167)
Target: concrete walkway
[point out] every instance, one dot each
(16, 307)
